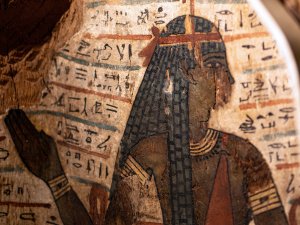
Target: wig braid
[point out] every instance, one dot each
(161, 106)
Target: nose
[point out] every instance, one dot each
(230, 77)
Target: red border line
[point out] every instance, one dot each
(192, 7)
(86, 91)
(103, 156)
(287, 166)
(226, 38)
(132, 37)
(187, 38)
(265, 104)
(230, 38)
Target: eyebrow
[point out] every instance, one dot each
(213, 58)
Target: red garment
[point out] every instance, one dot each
(220, 207)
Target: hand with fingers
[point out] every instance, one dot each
(37, 150)
(39, 153)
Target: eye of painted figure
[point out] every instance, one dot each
(213, 54)
(213, 64)
(214, 61)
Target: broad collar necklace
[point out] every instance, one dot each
(206, 144)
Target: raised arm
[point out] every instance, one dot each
(39, 153)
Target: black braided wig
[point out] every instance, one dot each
(161, 106)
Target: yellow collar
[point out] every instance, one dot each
(205, 144)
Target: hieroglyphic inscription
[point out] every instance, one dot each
(93, 81)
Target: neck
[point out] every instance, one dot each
(197, 130)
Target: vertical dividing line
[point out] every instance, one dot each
(193, 28)
(192, 7)
(190, 27)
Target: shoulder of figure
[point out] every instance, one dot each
(238, 146)
(249, 158)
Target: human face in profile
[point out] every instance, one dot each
(210, 80)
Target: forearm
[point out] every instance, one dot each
(275, 217)
(267, 207)
(120, 210)
(72, 211)
(263, 197)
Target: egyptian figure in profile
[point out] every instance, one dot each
(203, 176)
